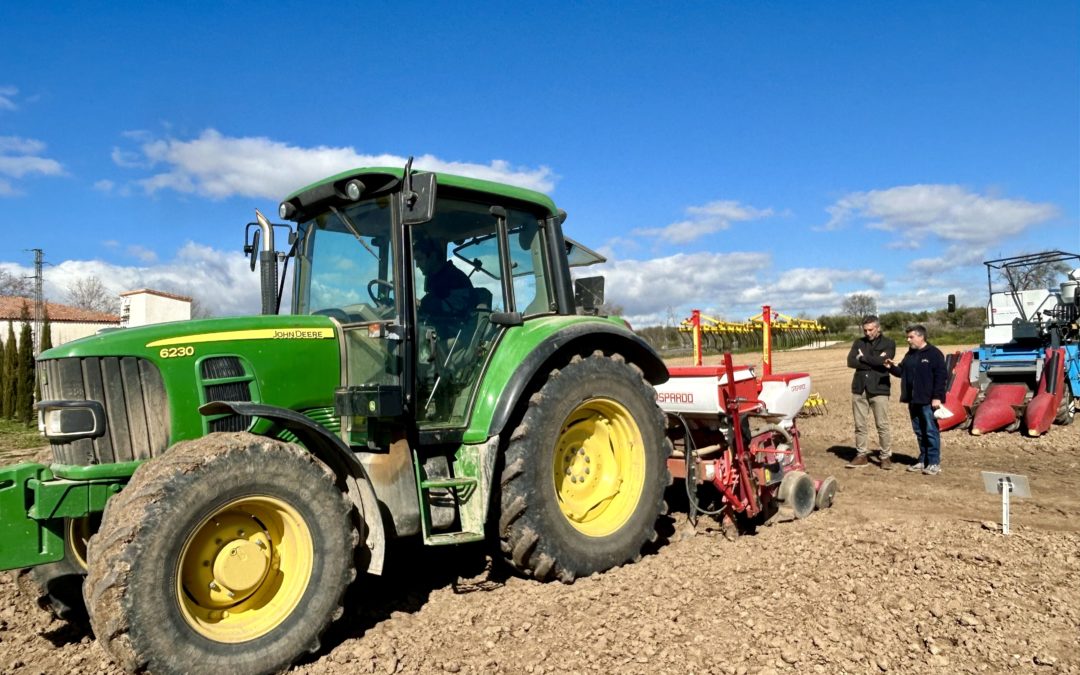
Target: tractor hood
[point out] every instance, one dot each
(202, 335)
(287, 361)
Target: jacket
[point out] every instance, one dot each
(922, 375)
(871, 376)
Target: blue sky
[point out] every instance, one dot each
(722, 155)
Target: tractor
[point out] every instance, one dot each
(216, 485)
(1026, 374)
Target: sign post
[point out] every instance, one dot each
(1007, 485)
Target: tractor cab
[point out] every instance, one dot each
(422, 284)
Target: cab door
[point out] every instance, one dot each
(500, 270)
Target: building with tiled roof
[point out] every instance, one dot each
(68, 323)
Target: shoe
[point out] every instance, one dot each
(917, 466)
(858, 460)
(886, 463)
(932, 470)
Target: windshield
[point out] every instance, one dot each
(345, 264)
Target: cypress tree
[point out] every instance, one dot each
(45, 343)
(11, 358)
(46, 334)
(3, 376)
(24, 371)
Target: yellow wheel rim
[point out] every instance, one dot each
(78, 533)
(244, 569)
(599, 467)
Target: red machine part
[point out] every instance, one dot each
(752, 470)
(1043, 407)
(961, 392)
(1000, 408)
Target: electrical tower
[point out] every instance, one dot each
(39, 300)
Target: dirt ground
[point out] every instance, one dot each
(906, 573)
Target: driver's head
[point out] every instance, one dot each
(429, 253)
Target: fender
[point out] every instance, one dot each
(576, 338)
(335, 454)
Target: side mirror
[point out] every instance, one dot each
(952, 304)
(589, 293)
(252, 249)
(419, 198)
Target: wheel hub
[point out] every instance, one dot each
(240, 566)
(244, 569)
(598, 466)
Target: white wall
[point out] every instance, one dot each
(140, 309)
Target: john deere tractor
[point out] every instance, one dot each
(217, 484)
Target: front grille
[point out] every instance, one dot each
(220, 367)
(229, 391)
(136, 406)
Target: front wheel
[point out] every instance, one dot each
(1066, 412)
(228, 553)
(61, 582)
(585, 472)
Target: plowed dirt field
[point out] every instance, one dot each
(906, 573)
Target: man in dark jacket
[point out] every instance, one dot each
(923, 377)
(448, 295)
(870, 390)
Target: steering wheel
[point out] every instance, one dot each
(334, 313)
(387, 301)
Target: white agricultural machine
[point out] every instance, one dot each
(1026, 374)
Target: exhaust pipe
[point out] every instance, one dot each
(267, 265)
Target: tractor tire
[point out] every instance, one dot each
(1065, 413)
(61, 582)
(230, 553)
(585, 472)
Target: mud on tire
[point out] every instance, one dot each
(585, 471)
(190, 515)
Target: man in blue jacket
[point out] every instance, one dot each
(922, 376)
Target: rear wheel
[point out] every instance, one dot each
(585, 472)
(231, 552)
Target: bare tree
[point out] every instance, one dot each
(90, 293)
(14, 285)
(858, 305)
(199, 309)
(1043, 274)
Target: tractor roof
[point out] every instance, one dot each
(445, 180)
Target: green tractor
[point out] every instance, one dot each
(216, 485)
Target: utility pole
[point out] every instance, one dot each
(39, 299)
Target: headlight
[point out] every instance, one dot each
(70, 420)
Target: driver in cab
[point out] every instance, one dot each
(448, 292)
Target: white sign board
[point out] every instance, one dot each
(1006, 485)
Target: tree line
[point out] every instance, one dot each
(19, 387)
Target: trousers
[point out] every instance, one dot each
(925, 426)
(862, 405)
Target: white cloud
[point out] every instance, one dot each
(104, 185)
(129, 159)
(221, 281)
(219, 166)
(730, 286)
(21, 157)
(7, 98)
(703, 220)
(645, 289)
(19, 145)
(142, 253)
(948, 212)
(955, 256)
